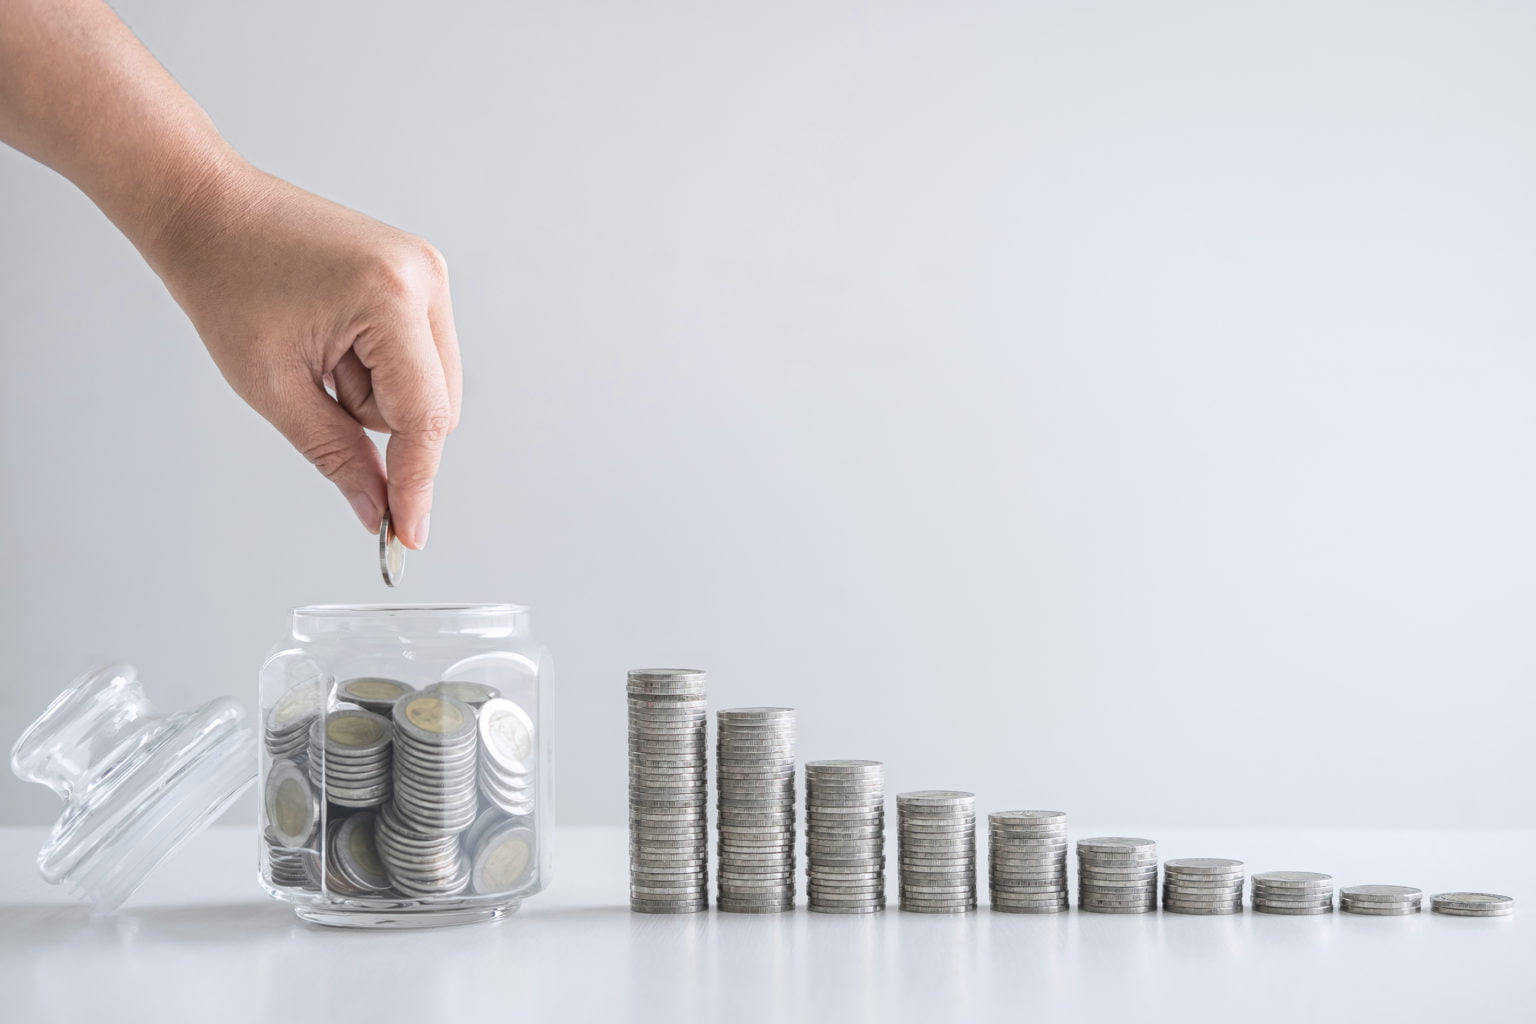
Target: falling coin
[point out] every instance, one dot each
(391, 552)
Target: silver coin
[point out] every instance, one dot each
(1029, 818)
(391, 552)
(293, 812)
(1054, 908)
(1292, 878)
(373, 693)
(1208, 911)
(1458, 912)
(1117, 845)
(1204, 866)
(1261, 908)
(1381, 893)
(1476, 902)
(1378, 909)
(357, 853)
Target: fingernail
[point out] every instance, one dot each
(366, 511)
(422, 531)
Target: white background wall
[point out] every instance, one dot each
(1115, 406)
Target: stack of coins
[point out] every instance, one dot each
(420, 862)
(435, 763)
(502, 859)
(1297, 893)
(1117, 875)
(1472, 904)
(354, 769)
(292, 808)
(668, 792)
(845, 836)
(506, 756)
(1027, 861)
(1203, 885)
(286, 731)
(755, 790)
(373, 693)
(352, 863)
(1381, 900)
(936, 851)
(291, 869)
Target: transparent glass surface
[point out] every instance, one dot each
(404, 764)
(136, 784)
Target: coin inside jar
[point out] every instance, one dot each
(391, 552)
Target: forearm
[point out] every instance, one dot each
(79, 93)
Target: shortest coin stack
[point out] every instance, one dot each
(936, 850)
(1296, 893)
(1381, 900)
(1203, 885)
(1472, 904)
(845, 836)
(1117, 875)
(1027, 861)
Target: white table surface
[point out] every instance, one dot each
(201, 942)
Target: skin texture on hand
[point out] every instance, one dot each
(289, 292)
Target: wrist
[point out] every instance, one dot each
(189, 200)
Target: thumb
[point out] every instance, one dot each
(336, 445)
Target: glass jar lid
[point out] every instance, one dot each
(136, 784)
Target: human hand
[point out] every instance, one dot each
(293, 294)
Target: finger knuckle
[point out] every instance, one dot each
(330, 456)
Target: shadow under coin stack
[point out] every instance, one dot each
(1381, 900)
(1027, 861)
(936, 851)
(1293, 893)
(755, 789)
(435, 798)
(1116, 875)
(668, 792)
(1203, 885)
(845, 836)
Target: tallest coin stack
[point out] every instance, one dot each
(668, 792)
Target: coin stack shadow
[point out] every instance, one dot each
(1293, 893)
(668, 792)
(1027, 861)
(1203, 885)
(755, 793)
(1116, 875)
(1381, 900)
(845, 836)
(936, 851)
(1472, 904)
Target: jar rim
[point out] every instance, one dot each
(338, 610)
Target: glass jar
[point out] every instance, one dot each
(404, 769)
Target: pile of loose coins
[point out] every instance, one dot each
(1117, 875)
(1027, 861)
(1381, 900)
(845, 836)
(1203, 885)
(668, 792)
(397, 793)
(1296, 893)
(755, 791)
(936, 851)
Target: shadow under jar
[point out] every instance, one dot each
(404, 772)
